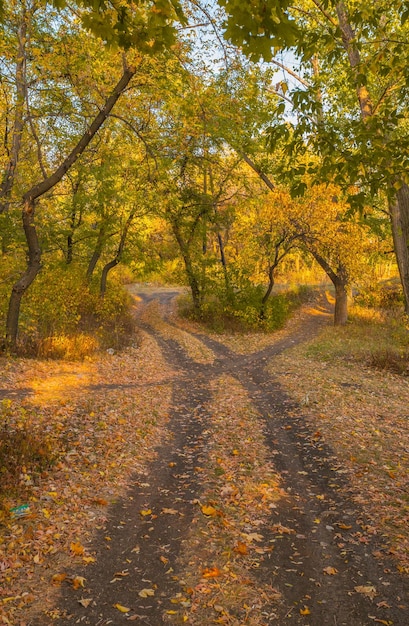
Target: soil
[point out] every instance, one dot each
(313, 557)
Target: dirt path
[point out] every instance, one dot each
(244, 521)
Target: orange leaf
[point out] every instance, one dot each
(331, 571)
(57, 579)
(212, 572)
(208, 510)
(77, 548)
(241, 548)
(305, 611)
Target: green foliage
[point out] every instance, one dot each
(259, 26)
(25, 450)
(238, 311)
(131, 24)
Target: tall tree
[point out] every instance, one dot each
(353, 111)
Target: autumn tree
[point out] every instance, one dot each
(350, 104)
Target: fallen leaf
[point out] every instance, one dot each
(331, 571)
(170, 511)
(305, 611)
(85, 602)
(121, 608)
(208, 510)
(57, 579)
(241, 548)
(78, 581)
(145, 593)
(211, 572)
(367, 590)
(145, 512)
(77, 548)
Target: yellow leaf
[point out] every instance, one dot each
(78, 581)
(145, 593)
(89, 559)
(235, 452)
(145, 512)
(171, 612)
(121, 608)
(305, 611)
(208, 510)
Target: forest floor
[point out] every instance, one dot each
(203, 479)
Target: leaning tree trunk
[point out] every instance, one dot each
(399, 214)
(97, 252)
(29, 200)
(268, 291)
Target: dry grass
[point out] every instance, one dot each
(362, 412)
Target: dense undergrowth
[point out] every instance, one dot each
(243, 311)
(64, 317)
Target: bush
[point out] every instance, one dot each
(65, 318)
(240, 311)
(390, 360)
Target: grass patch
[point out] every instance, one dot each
(380, 338)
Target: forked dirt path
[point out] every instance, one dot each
(189, 544)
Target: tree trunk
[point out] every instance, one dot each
(104, 275)
(97, 252)
(268, 292)
(191, 277)
(29, 199)
(339, 279)
(341, 303)
(399, 214)
(117, 258)
(33, 267)
(18, 125)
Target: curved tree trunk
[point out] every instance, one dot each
(29, 199)
(32, 269)
(117, 258)
(104, 275)
(268, 292)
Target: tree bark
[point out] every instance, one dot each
(33, 267)
(18, 125)
(97, 252)
(269, 290)
(117, 258)
(191, 277)
(399, 205)
(399, 215)
(339, 279)
(29, 200)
